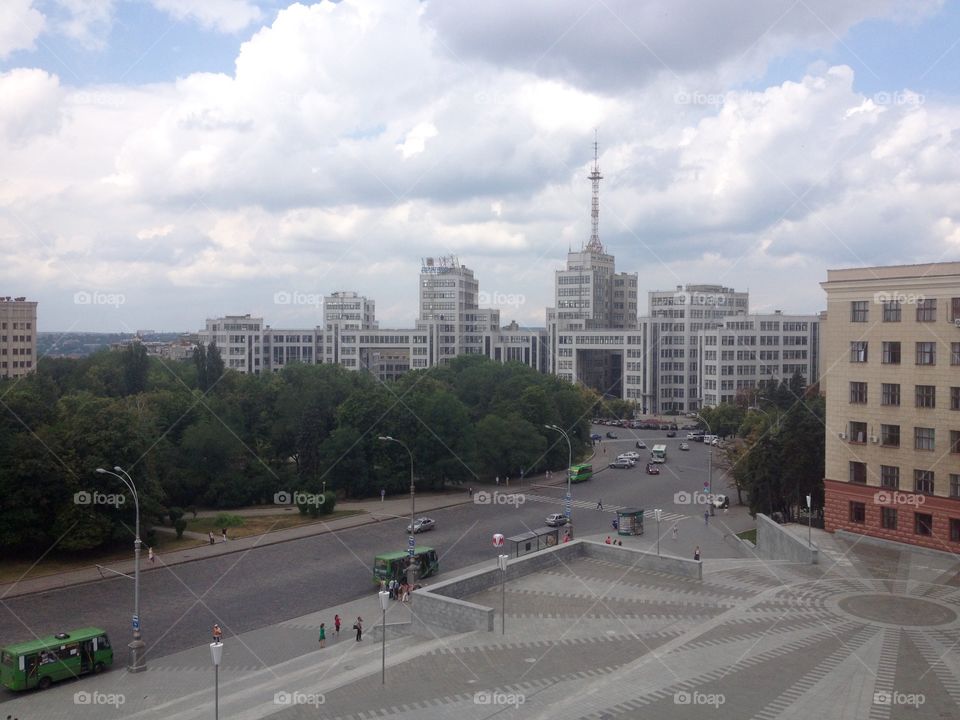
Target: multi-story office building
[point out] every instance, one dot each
(18, 336)
(891, 366)
(239, 338)
(676, 319)
(742, 352)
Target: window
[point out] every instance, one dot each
(891, 311)
(858, 351)
(955, 353)
(890, 394)
(890, 477)
(858, 311)
(858, 512)
(954, 485)
(858, 393)
(926, 353)
(858, 472)
(954, 308)
(890, 435)
(926, 310)
(926, 396)
(923, 481)
(888, 518)
(923, 524)
(890, 353)
(954, 441)
(857, 432)
(954, 530)
(923, 438)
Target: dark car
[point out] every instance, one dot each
(612, 435)
(653, 469)
(664, 426)
(671, 433)
(596, 436)
(641, 445)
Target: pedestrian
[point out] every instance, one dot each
(323, 636)
(604, 451)
(675, 531)
(706, 517)
(383, 494)
(211, 537)
(224, 533)
(336, 625)
(566, 536)
(600, 504)
(217, 633)
(358, 626)
(508, 481)
(620, 543)
(696, 554)
(608, 541)
(150, 556)
(498, 481)
(406, 592)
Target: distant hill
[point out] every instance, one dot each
(81, 344)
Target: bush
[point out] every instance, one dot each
(175, 514)
(226, 520)
(180, 525)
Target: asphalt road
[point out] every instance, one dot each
(245, 591)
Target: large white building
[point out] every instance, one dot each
(18, 336)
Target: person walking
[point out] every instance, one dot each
(498, 481)
(696, 554)
(212, 541)
(706, 517)
(358, 626)
(150, 556)
(675, 531)
(599, 503)
(217, 633)
(224, 533)
(336, 626)
(323, 636)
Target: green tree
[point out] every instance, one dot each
(136, 365)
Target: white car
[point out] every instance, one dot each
(631, 454)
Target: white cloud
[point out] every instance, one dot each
(86, 21)
(20, 26)
(227, 16)
(30, 107)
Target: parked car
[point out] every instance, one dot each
(641, 445)
(596, 436)
(612, 435)
(422, 525)
(630, 454)
(556, 520)
(664, 426)
(684, 446)
(653, 469)
(671, 433)
(621, 464)
(721, 502)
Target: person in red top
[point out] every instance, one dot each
(336, 624)
(608, 541)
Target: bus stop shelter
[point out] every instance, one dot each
(538, 539)
(630, 521)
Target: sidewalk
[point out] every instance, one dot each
(372, 511)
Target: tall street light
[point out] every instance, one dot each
(569, 499)
(137, 663)
(412, 541)
(384, 602)
(657, 513)
(709, 460)
(216, 653)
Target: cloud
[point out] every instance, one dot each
(30, 107)
(20, 26)
(226, 16)
(86, 21)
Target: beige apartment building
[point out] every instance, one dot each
(18, 337)
(891, 370)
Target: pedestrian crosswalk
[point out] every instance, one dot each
(666, 517)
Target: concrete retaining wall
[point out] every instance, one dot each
(645, 560)
(775, 543)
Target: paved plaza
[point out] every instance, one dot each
(871, 632)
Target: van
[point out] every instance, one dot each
(709, 439)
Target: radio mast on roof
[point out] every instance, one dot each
(595, 177)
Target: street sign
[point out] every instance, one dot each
(411, 542)
(136, 622)
(568, 497)
(567, 511)
(498, 540)
(411, 552)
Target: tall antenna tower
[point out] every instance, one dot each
(595, 177)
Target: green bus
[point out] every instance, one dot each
(581, 473)
(393, 565)
(38, 663)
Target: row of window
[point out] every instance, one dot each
(924, 438)
(925, 396)
(923, 480)
(925, 353)
(889, 519)
(18, 326)
(892, 310)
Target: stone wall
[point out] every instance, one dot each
(775, 543)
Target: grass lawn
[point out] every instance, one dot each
(260, 524)
(750, 535)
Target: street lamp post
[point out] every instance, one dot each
(384, 601)
(709, 461)
(569, 499)
(502, 562)
(412, 544)
(657, 513)
(137, 663)
(809, 521)
(216, 653)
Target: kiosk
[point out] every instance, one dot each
(630, 521)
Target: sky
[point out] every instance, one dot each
(166, 161)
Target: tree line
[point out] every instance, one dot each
(195, 435)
